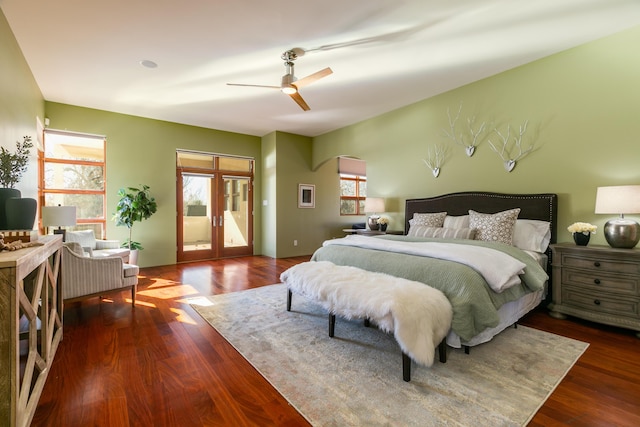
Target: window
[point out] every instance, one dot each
(353, 192)
(72, 173)
(353, 185)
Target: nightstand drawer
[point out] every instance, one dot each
(596, 303)
(602, 281)
(600, 264)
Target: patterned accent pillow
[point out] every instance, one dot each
(441, 232)
(428, 219)
(496, 227)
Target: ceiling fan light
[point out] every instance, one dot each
(289, 89)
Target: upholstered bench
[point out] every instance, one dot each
(418, 315)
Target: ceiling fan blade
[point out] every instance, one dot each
(242, 84)
(312, 78)
(296, 97)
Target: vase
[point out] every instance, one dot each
(20, 213)
(581, 239)
(383, 227)
(6, 194)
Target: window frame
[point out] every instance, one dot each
(357, 198)
(43, 160)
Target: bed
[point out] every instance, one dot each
(480, 309)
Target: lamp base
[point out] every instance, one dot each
(622, 233)
(61, 231)
(373, 222)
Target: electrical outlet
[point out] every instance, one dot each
(295, 243)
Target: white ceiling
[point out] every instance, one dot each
(384, 53)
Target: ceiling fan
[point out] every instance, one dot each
(290, 84)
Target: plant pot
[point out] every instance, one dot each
(5, 194)
(581, 239)
(133, 257)
(20, 213)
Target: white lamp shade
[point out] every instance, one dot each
(58, 216)
(621, 199)
(374, 204)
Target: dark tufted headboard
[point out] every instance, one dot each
(543, 207)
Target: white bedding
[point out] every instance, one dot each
(509, 313)
(500, 270)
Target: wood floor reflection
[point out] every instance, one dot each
(160, 364)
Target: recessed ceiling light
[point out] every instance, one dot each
(148, 64)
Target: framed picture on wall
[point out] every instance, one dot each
(306, 196)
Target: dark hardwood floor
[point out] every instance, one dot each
(160, 364)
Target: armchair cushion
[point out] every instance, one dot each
(97, 248)
(86, 238)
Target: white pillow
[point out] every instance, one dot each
(441, 232)
(496, 227)
(532, 235)
(461, 221)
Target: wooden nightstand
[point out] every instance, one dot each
(597, 283)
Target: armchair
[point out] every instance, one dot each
(96, 248)
(84, 277)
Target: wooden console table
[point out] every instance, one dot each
(30, 326)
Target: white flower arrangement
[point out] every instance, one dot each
(382, 220)
(582, 227)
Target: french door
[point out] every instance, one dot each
(214, 211)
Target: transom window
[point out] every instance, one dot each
(72, 173)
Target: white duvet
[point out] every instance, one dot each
(499, 270)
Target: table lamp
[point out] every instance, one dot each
(622, 199)
(58, 216)
(373, 205)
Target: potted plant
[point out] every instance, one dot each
(135, 204)
(12, 166)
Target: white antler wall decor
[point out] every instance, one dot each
(459, 139)
(511, 151)
(435, 158)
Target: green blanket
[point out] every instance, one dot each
(475, 305)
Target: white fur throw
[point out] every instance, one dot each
(418, 315)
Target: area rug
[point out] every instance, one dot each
(355, 378)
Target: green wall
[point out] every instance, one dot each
(301, 230)
(582, 107)
(142, 151)
(21, 103)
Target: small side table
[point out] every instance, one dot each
(596, 283)
(350, 230)
(378, 232)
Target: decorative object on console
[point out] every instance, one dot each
(506, 151)
(383, 222)
(59, 216)
(16, 213)
(435, 159)
(373, 205)
(621, 199)
(469, 147)
(581, 232)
